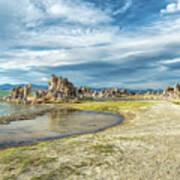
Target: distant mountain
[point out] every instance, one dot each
(10, 86)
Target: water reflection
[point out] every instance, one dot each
(58, 124)
(11, 108)
(58, 119)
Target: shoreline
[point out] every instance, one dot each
(144, 146)
(39, 140)
(26, 115)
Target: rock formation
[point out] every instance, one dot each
(172, 91)
(20, 94)
(177, 89)
(131, 93)
(123, 92)
(61, 88)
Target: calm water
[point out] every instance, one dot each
(53, 125)
(9, 108)
(6, 108)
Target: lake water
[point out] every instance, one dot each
(10, 108)
(54, 125)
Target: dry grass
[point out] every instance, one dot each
(147, 147)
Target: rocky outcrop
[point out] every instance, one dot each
(172, 91)
(40, 93)
(61, 88)
(131, 93)
(83, 92)
(104, 93)
(177, 89)
(123, 91)
(19, 94)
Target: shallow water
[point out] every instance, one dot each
(54, 125)
(7, 108)
(10, 108)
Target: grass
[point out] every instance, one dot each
(101, 148)
(131, 152)
(63, 171)
(27, 158)
(176, 103)
(111, 106)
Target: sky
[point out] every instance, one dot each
(98, 43)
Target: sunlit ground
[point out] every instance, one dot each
(145, 146)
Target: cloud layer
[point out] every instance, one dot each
(172, 7)
(128, 43)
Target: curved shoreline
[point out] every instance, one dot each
(38, 140)
(28, 115)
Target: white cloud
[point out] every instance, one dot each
(171, 61)
(62, 23)
(119, 49)
(127, 5)
(44, 79)
(75, 11)
(72, 32)
(172, 8)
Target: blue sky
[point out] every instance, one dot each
(109, 43)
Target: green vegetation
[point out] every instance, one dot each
(101, 148)
(73, 157)
(111, 106)
(176, 103)
(4, 93)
